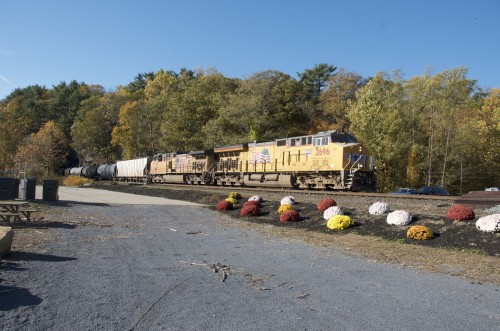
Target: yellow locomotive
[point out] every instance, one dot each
(326, 160)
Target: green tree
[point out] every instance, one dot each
(266, 106)
(91, 132)
(315, 79)
(190, 111)
(65, 102)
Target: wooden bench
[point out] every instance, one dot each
(7, 215)
(27, 213)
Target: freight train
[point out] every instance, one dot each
(326, 160)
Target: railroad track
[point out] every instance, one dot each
(473, 199)
(291, 191)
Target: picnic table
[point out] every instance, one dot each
(11, 209)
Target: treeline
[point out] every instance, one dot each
(434, 129)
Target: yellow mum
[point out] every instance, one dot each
(284, 208)
(339, 222)
(419, 232)
(232, 200)
(234, 195)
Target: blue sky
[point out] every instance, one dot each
(108, 42)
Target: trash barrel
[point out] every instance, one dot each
(7, 186)
(50, 188)
(27, 189)
(15, 189)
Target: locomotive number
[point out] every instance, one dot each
(322, 151)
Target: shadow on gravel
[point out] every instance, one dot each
(13, 297)
(27, 256)
(40, 224)
(70, 203)
(11, 266)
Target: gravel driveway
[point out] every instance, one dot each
(177, 267)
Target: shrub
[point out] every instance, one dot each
(460, 213)
(399, 217)
(326, 203)
(289, 200)
(231, 200)
(76, 181)
(419, 232)
(252, 202)
(379, 208)
(332, 211)
(284, 208)
(290, 216)
(250, 210)
(339, 222)
(224, 205)
(255, 198)
(234, 195)
(490, 223)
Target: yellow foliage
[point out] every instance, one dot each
(76, 181)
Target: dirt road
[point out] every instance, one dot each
(122, 266)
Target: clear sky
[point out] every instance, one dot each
(108, 42)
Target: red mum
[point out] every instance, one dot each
(224, 205)
(460, 213)
(252, 203)
(326, 203)
(250, 210)
(290, 215)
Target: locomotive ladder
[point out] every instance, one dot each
(209, 175)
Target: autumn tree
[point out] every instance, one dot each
(21, 113)
(478, 133)
(439, 105)
(338, 95)
(379, 119)
(43, 152)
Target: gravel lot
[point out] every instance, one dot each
(92, 266)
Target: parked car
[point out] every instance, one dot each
(403, 190)
(492, 189)
(431, 190)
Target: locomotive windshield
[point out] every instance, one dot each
(342, 137)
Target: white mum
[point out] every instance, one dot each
(332, 211)
(490, 223)
(399, 217)
(255, 198)
(379, 208)
(289, 200)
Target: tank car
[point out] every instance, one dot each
(77, 171)
(106, 171)
(89, 171)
